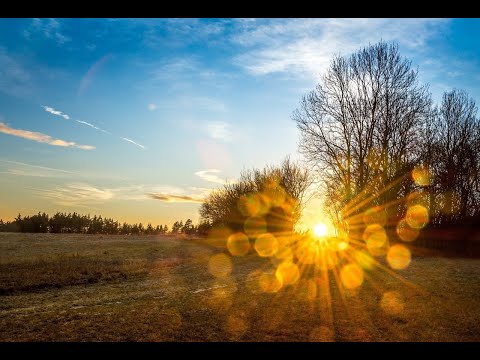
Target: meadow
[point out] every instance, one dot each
(68, 287)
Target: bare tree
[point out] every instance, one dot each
(275, 193)
(452, 154)
(359, 127)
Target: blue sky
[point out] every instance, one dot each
(138, 119)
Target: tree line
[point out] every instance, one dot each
(86, 224)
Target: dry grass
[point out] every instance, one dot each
(114, 288)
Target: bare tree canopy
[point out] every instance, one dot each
(274, 194)
(452, 154)
(360, 126)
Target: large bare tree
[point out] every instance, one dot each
(360, 127)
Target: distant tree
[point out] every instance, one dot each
(149, 229)
(188, 227)
(203, 228)
(176, 227)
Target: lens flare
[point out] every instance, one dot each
(376, 239)
(287, 273)
(218, 235)
(405, 232)
(351, 276)
(421, 176)
(269, 283)
(252, 205)
(375, 215)
(364, 260)
(417, 216)
(266, 245)
(255, 226)
(238, 244)
(220, 265)
(398, 257)
(320, 230)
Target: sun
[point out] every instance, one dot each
(320, 230)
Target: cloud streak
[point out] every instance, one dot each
(175, 198)
(51, 110)
(92, 126)
(55, 112)
(209, 175)
(23, 169)
(133, 142)
(36, 166)
(41, 138)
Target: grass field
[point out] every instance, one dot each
(121, 288)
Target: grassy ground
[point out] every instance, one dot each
(115, 288)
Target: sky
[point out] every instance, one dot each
(139, 119)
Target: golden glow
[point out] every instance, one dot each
(252, 204)
(238, 244)
(320, 230)
(322, 334)
(417, 216)
(287, 273)
(269, 283)
(398, 257)
(392, 303)
(405, 232)
(421, 176)
(375, 215)
(220, 265)
(254, 226)
(266, 245)
(376, 239)
(364, 260)
(352, 276)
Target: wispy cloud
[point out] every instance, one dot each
(48, 28)
(305, 46)
(83, 194)
(219, 130)
(133, 142)
(41, 138)
(36, 166)
(23, 169)
(55, 112)
(14, 78)
(209, 175)
(175, 198)
(76, 194)
(152, 106)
